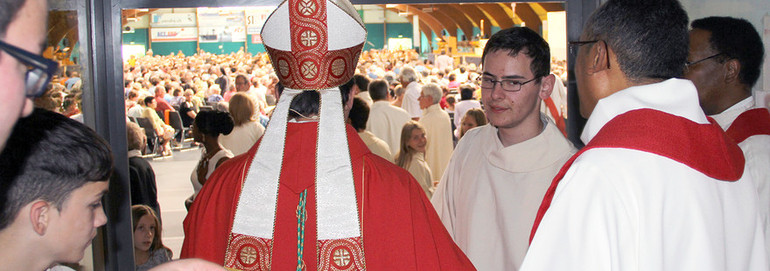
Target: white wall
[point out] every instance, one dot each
(752, 10)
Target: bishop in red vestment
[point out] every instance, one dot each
(401, 231)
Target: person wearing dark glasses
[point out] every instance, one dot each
(658, 186)
(36, 233)
(724, 63)
(24, 74)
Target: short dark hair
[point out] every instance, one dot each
(307, 102)
(648, 37)
(359, 114)
(378, 90)
(47, 157)
(466, 92)
(522, 39)
(362, 82)
(214, 122)
(738, 39)
(148, 100)
(8, 11)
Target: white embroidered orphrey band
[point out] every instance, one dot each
(335, 190)
(255, 215)
(336, 203)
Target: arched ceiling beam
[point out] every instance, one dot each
(495, 12)
(449, 24)
(551, 7)
(429, 20)
(529, 17)
(445, 23)
(508, 8)
(476, 16)
(459, 18)
(541, 12)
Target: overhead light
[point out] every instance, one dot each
(143, 9)
(132, 19)
(404, 14)
(391, 6)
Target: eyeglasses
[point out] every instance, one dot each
(575, 45)
(510, 85)
(688, 64)
(40, 69)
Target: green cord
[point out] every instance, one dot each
(301, 218)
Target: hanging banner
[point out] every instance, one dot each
(221, 25)
(222, 34)
(255, 18)
(172, 19)
(173, 34)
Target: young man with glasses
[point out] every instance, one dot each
(498, 173)
(658, 185)
(725, 62)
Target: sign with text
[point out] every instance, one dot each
(172, 19)
(222, 34)
(171, 34)
(255, 19)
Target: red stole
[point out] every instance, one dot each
(557, 118)
(703, 147)
(750, 123)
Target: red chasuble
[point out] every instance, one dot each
(750, 123)
(703, 147)
(401, 230)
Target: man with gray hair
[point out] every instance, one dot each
(412, 87)
(438, 130)
(658, 186)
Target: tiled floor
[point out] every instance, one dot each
(173, 178)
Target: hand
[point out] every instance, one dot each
(188, 265)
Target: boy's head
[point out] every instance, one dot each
(53, 174)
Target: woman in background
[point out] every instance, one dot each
(206, 129)
(472, 119)
(411, 155)
(247, 129)
(149, 250)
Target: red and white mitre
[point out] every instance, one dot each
(314, 45)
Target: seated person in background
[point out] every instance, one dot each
(247, 129)
(206, 130)
(164, 131)
(411, 155)
(472, 119)
(358, 116)
(53, 174)
(149, 250)
(187, 109)
(143, 186)
(213, 95)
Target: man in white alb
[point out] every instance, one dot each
(493, 186)
(658, 186)
(411, 83)
(725, 60)
(385, 120)
(438, 130)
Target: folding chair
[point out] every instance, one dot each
(152, 136)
